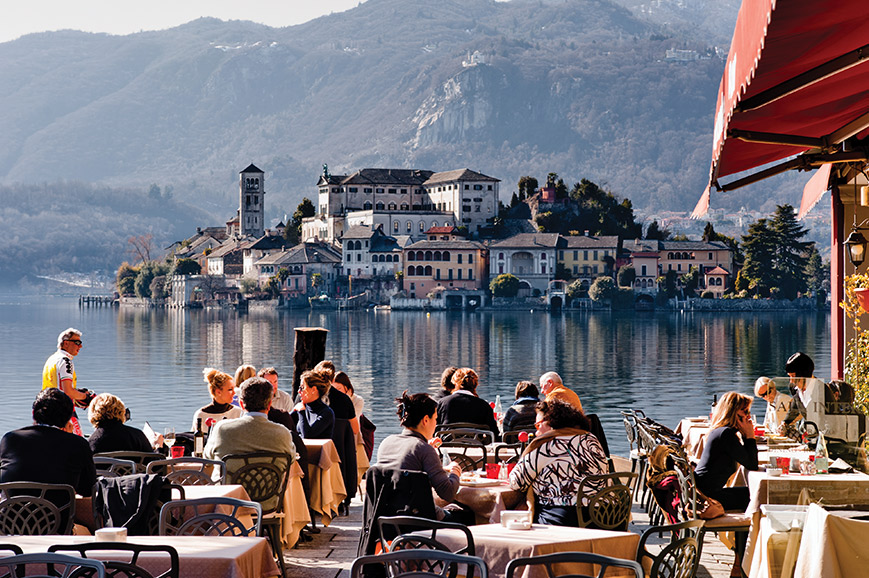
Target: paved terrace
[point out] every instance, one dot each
(333, 550)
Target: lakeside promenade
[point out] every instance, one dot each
(333, 550)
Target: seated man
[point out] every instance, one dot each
(553, 388)
(777, 404)
(47, 452)
(252, 432)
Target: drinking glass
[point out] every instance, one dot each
(169, 436)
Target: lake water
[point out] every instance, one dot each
(668, 364)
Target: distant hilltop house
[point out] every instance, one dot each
(402, 202)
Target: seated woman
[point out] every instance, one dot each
(222, 388)
(521, 415)
(730, 442)
(108, 415)
(556, 461)
(314, 419)
(411, 450)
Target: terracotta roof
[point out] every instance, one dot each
(529, 240)
(719, 270)
(693, 246)
(459, 175)
(441, 230)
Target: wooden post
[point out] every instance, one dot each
(309, 350)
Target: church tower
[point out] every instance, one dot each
(251, 202)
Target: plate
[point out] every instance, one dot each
(480, 483)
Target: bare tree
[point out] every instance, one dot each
(140, 247)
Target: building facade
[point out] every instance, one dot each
(453, 264)
(368, 253)
(251, 202)
(531, 257)
(588, 257)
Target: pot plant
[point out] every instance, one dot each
(857, 358)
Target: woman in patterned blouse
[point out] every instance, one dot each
(556, 461)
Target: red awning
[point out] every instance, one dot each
(796, 80)
(815, 189)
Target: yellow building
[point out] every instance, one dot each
(588, 257)
(454, 264)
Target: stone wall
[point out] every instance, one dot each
(805, 304)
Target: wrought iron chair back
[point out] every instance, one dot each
(508, 453)
(34, 509)
(458, 452)
(113, 467)
(141, 459)
(422, 563)
(124, 561)
(467, 433)
(609, 508)
(549, 561)
(190, 471)
(58, 566)
(680, 557)
(210, 517)
(393, 527)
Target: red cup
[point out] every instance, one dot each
(784, 464)
(177, 451)
(492, 471)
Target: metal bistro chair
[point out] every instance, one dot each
(113, 467)
(33, 509)
(60, 565)
(190, 471)
(458, 452)
(508, 453)
(678, 558)
(549, 560)
(124, 560)
(394, 534)
(609, 508)
(450, 434)
(264, 476)
(141, 459)
(208, 517)
(14, 548)
(425, 563)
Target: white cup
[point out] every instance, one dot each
(111, 535)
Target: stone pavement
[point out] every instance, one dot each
(333, 550)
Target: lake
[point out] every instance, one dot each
(668, 364)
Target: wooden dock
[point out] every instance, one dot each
(95, 300)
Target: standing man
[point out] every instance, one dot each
(59, 372)
(553, 388)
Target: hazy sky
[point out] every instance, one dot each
(22, 17)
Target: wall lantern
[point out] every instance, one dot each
(856, 244)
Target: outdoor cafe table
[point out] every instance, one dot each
(850, 488)
(833, 545)
(498, 545)
(324, 478)
(693, 431)
(199, 556)
(487, 501)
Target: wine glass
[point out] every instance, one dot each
(169, 436)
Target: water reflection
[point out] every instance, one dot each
(668, 364)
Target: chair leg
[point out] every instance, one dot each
(274, 531)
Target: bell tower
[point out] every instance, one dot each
(251, 202)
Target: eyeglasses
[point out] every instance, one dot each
(76, 341)
(538, 424)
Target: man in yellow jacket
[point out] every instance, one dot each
(553, 388)
(59, 370)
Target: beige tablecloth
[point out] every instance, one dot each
(786, 489)
(200, 556)
(693, 433)
(324, 477)
(767, 552)
(832, 546)
(497, 545)
(488, 502)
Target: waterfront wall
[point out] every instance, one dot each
(759, 305)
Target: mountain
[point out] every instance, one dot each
(583, 88)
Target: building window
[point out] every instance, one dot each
(543, 256)
(710, 256)
(478, 187)
(470, 258)
(467, 187)
(459, 258)
(421, 227)
(543, 268)
(353, 189)
(585, 255)
(358, 257)
(395, 226)
(595, 269)
(595, 255)
(409, 226)
(379, 190)
(643, 271)
(458, 273)
(561, 255)
(365, 206)
(379, 206)
(392, 191)
(449, 274)
(367, 190)
(575, 255)
(500, 269)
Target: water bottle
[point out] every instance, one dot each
(822, 458)
(504, 474)
(498, 408)
(714, 403)
(445, 459)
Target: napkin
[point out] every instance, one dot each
(840, 466)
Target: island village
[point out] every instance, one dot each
(419, 239)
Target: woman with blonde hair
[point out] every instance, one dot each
(221, 387)
(729, 443)
(107, 413)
